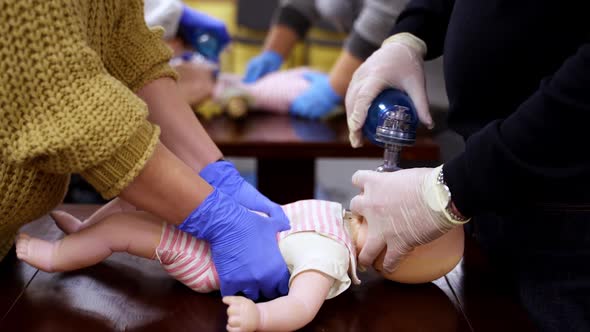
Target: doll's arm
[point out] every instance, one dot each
(307, 294)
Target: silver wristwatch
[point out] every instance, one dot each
(448, 202)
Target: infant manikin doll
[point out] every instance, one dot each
(272, 93)
(320, 252)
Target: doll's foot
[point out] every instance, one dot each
(66, 222)
(242, 314)
(36, 252)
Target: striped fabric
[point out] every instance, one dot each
(189, 260)
(325, 218)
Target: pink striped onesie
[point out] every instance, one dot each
(189, 260)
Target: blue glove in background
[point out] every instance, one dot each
(318, 100)
(224, 176)
(244, 246)
(266, 62)
(193, 24)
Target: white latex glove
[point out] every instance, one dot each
(403, 209)
(397, 64)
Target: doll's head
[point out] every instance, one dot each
(424, 264)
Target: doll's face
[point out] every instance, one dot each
(360, 242)
(424, 263)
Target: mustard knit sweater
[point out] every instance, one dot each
(68, 72)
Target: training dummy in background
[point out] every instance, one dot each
(320, 251)
(368, 24)
(213, 95)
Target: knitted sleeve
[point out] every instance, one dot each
(60, 111)
(136, 55)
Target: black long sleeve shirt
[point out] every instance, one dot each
(518, 81)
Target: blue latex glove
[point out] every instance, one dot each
(318, 100)
(224, 176)
(266, 62)
(243, 244)
(194, 25)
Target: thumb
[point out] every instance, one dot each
(360, 178)
(312, 76)
(280, 219)
(417, 92)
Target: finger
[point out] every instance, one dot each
(353, 88)
(233, 329)
(393, 258)
(259, 202)
(276, 289)
(365, 96)
(357, 204)
(361, 178)
(234, 321)
(417, 92)
(230, 299)
(58, 215)
(311, 76)
(370, 251)
(253, 72)
(280, 220)
(229, 288)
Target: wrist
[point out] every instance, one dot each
(331, 93)
(215, 172)
(201, 223)
(273, 55)
(439, 199)
(409, 40)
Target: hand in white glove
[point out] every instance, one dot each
(397, 64)
(403, 209)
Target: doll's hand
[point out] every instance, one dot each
(242, 314)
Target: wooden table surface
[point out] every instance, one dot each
(126, 293)
(286, 149)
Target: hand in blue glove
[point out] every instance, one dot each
(318, 100)
(243, 244)
(266, 62)
(194, 24)
(224, 176)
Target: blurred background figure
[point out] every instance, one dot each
(367, 24)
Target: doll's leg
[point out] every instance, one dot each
(307, 294)
(137, 233)
(70, 224)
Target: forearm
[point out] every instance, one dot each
(181, 131)
(167, 187)
(281, 39)
(306, 296)
(534, 152)
(372, 26)
(342, 72)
